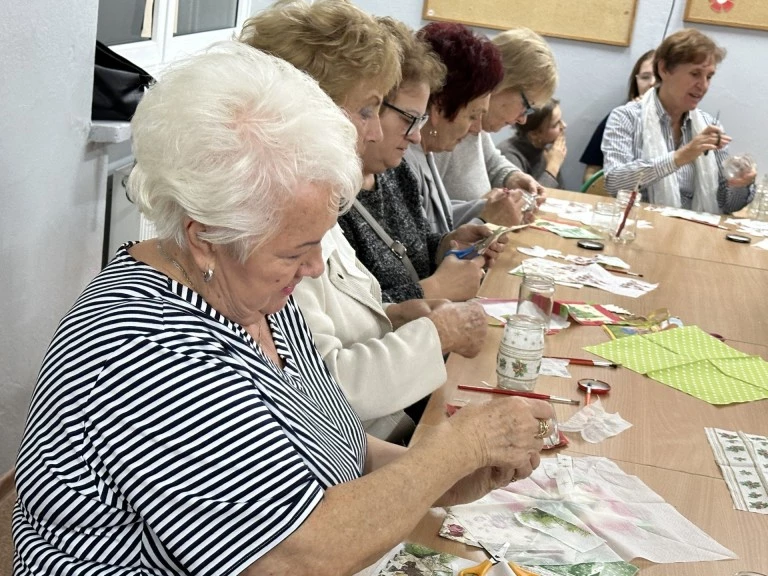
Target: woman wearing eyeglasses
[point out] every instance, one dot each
(391, 197)
(473, 71)
(476, 166)
(538, 147)
(640, 81)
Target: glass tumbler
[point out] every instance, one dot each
(602, 218)
(520, 351)
(737, 166)
(536, 297)
(624, 222)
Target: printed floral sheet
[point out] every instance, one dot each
(577, 511)
(743, 460)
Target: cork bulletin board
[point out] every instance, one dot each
(602, 21)
(736, 13)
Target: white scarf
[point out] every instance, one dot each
(666, 191)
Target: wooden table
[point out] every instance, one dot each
(706, 281)
(680, 237)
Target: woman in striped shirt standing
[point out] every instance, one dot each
(183, 422)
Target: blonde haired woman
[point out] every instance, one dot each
(363, 344)
(351, 56)
(475, 166)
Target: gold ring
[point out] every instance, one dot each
(543, 429)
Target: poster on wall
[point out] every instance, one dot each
(736, 13)
(601, 21)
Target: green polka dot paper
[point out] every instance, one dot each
(638, 354)
(690, 360)
(705, 381)
(752, 369)
(693, 342)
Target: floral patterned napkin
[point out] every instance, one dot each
(743, 461)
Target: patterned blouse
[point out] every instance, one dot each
(395, 203)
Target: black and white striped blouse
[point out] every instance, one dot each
(161, 440)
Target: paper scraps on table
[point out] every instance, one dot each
(588, 314)
(692, 215)
(594, 423)
(743, 461)
(501, 309)
(592, 501)
(541, 252)
(763, 244)
(565, 208)
(592, 275)
(748, 226)
(554, 367)
(690, 360)
(565, 230)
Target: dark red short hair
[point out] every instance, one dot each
(473, 63)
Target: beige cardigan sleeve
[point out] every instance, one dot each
(380, 370)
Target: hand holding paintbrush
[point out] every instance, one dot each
(719, 133)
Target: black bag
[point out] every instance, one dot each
(118, 85)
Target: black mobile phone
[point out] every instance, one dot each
(590, 245)
(738, 238)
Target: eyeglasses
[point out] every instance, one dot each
(416, 122)
(528, 108)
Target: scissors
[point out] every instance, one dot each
(479, 247)
(485, 565)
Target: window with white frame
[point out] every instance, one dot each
(152, 33)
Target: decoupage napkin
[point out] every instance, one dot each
(581, 510)
(743, 461)
(690, 360)
(594, 423)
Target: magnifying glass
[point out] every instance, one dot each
(592, 386)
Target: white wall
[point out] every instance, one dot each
(52, 207)
(52, 214)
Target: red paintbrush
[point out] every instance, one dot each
(520, 393)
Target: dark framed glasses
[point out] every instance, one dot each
(416, 122)
(528, 108)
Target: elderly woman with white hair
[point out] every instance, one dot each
(183, 422)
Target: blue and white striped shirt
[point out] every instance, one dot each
(624, 164)
(161, 440)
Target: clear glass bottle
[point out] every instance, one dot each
(758, 208)
(536, 297)
(624, 225)
(520, 352)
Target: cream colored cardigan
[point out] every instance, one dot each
(381, 370)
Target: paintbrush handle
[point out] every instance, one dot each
(630, 203)
(522, 393)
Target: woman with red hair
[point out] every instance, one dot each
(474, 70)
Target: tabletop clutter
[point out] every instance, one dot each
(584, 515)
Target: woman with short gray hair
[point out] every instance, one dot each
(183, 421)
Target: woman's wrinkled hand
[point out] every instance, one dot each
(468, 234)
(501, 436)
(404, 312)
(461, 326)
(455, 279)
(504, 207)
(743, 180)
(711, 138)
